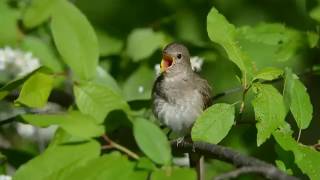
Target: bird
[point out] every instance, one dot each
(179, 95)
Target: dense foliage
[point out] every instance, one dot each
(86, 69)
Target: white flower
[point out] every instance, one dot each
(157, 69)
(16, 62)
(5, 177)
(196, 63)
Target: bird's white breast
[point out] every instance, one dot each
(180, 116)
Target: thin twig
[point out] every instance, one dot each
(115, 145)
(230, 156)
(263, 170)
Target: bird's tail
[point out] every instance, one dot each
(197, 161)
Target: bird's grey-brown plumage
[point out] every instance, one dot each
(179, 94)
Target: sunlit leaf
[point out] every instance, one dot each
(298, 100)
(109, 166)
(214, 123)
(269, 74)
(75, 123)
(38, 12)
(224, 33)
(142, 43)
(108, 45)
(152, 141)
(36, 90)
(57, 159)
(315, 13)
(42, 51)
(75, 39)
(98, 100)
(139, 84)
(305, 157)
(8, 22)
(4, 90)
(174, 173)
(269, 111)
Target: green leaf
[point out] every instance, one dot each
(43, 51)
(152, 141)
(56, 159)
(280, 43)
(313, 39)
(142, 43)
(280, 164)
(36, 90)
(105, 79)
(139, 85)
(98, 100)
(174, 173)
(297, 99)
(214, 123)
(75, 39)
(109, 166)
(75, 123)
(8, 23)
(14, 84)
(305, 157)
(38, 12)
(108, 45)
(269, 73)
(269, 111)
(222, 32)
(315, 13)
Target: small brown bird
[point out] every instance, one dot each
(180, 95)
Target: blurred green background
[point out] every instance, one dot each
(131, 35)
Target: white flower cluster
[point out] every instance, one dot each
(5, 177)
(17, 62)
(196, 64)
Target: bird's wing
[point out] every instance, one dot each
(205, 91)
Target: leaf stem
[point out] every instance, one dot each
(115, 145)
(299, 134)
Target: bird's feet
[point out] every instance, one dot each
(180, 140)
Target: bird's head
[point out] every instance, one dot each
(175, 59)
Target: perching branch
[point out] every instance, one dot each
(263, 170)
(230, 156)
(111, 144)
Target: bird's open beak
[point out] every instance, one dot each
(166, 62)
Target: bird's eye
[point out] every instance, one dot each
(179, 56)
